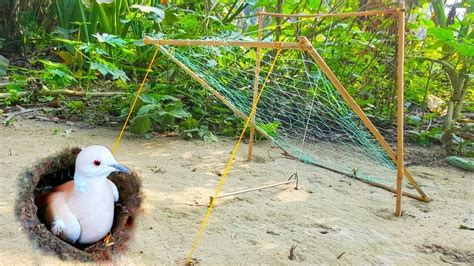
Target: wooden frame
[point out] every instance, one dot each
(304, 44)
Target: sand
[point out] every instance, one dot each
(331, 219)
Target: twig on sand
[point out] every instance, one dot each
(292, 252)
(23, 111)
(340, 255)
(466, 227)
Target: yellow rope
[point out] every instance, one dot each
(119, 137)
(227, 169)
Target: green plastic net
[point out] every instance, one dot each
(300, 110)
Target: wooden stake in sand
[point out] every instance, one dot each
(255, 86)
(400, 103)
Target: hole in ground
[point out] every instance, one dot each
(55, 170)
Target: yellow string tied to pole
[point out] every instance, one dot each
(228, 166)
(135, 100)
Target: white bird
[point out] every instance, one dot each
(82, 210)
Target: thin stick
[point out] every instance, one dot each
(253, 189)
(254, 44)
(255, 87)
(72, 93)
(339, 15)
(356, 108)
(400, 101)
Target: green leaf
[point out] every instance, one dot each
(102, 68)
(148, 98)
(179, 113)
(463, 49)
(146, 109)
(189, 123)
(314, 4)
(110, 39)
(270, 128)
(150, 9)
(140, 125)
(441, 34)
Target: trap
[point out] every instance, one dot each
(58, 169)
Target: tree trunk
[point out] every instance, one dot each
(448, 119)
(458, 104)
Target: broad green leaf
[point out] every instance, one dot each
(148, 98)
(110, 39)
(140, 125)
(102, 68)
(463, 49)
(314, 3)
(169, 97)
(179, 113)
(146, 109)
(441, 34)
(150, 9)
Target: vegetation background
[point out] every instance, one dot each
(83, 60)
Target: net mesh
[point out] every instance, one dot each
(300, 110)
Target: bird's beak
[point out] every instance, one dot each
(120, 168)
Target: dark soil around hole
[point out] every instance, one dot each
(55, 170)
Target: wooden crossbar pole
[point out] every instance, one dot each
(400, 106)
(356, 108)
(338, 15)
(251, 44)
(255, 86)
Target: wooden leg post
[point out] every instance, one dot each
(400, 106)
(255, 85)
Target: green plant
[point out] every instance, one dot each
(76, 106)
(56, 75)
(162, 109)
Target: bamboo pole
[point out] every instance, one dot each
(356, 108)
(255, 87)
(400, 102)
(251, 44)
(339, 15)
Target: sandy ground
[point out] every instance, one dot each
(331, 219)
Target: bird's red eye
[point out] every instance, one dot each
(96, 162)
